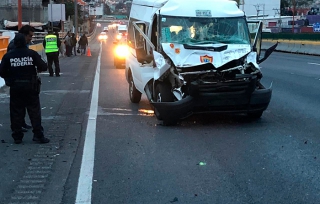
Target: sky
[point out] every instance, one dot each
(269, 6)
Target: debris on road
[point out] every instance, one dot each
(174, 200)
(202, 163)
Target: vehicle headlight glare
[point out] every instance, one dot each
(121, 51)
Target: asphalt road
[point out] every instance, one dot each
(204, 159)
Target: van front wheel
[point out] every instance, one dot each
(135, 95)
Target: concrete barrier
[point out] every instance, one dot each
(266, 45)
(313, 50)
(295, 46)
(282, 46)
(36, 47)
(304, 49)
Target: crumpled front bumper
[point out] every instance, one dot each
(223, 102)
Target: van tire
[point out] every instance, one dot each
(135, 95)
(163, 94)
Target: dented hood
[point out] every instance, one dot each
(217, 54)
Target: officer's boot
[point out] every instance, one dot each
(17, 136)
(39, 137)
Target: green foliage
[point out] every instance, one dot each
(297, 3)
(106, 10)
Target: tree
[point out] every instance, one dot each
(119, 6)
(284, 4)
(106, 10)
(298, 3)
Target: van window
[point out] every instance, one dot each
(137, 41)
(140, 42)
(204, 30)
(130, 38)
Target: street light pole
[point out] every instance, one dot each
(62, 22)
(51, 15)
(19, 14)
(76, 17)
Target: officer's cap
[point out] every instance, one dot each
(20, 40)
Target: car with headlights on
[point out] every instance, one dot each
(103, 36)
(120, 53)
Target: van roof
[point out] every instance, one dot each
(150, 3)
(218, 8)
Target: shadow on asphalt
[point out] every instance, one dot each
(209, 119)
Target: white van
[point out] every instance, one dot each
(194, 57)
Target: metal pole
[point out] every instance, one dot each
(19, 14)
(62, 22)
(51, 16)
(76, 17)
(243, 5)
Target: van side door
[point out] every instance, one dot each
(138, 62)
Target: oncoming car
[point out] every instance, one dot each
(120, 54)
(103, 36)
(105, 29)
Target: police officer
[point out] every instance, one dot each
(51, 44)
(28, 32)
(19, 68)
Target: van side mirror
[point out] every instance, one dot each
(268, 53)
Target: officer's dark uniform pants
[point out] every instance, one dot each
(53, 57)
(21, 99)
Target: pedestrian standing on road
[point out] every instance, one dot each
(68, 43)
(65, 43)
(51, 46)
(74, 43)
(83, 43)
(19, 68)
(28, 32)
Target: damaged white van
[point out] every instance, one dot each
(195, 56)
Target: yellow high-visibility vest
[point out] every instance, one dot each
(51, 44)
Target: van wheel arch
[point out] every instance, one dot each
(134, 94)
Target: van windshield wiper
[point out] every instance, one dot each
(216, 48)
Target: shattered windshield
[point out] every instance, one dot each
(197, 31)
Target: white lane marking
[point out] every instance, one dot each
(314, 63)
(126, 114)
(84, 190)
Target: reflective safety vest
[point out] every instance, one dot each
(51, 44)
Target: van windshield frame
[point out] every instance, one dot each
(201, 31)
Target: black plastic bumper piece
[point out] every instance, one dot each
(222, 102)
